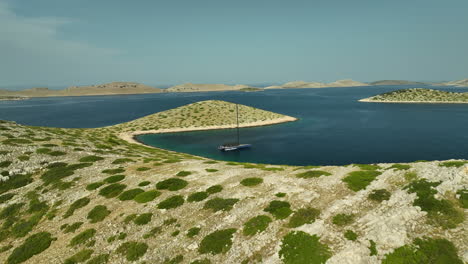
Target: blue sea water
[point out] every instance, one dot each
(333, 127)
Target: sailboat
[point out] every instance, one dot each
(237, 145)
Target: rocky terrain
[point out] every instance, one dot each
(460, 83)
(302, 84)
(87, 196)
(418, 95)
(193, 87)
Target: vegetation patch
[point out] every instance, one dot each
(122, 161)
(456, 164)
(5, 163)
(183, 173)
(132, 250)
(73, 227)
(82, 202)
(426, 250)
(114, 178)
(15, 182)
(303, 216)
(400, 167)
(214, 189)
(6, 197)
(33, 245)
(279, 209)
(463, 197)
(80, 256)
(301, 248)
(147, 196)
(193, 231)
(217, 242)
(83, 237)
(143, 169)
(359, 180)
(112, 190)
(144, 183)
(211, 170)
(312, 174)
(98, 213)
(91, 158)
(171, 202)
(143, 219)
(113, 171)
(256, 225)
(251, 181)
(373, 248)
(172, 184)
(99, 259)
(130, 194)
(367, 166)
(343, 219)
(94, 186)
(280, 194)
(218, 204)
(197, 197)
(350, 235)
(379, 195)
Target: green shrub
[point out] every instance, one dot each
(33, 245)
(280, 194)
(113, 171)
(379, 195)
(11, 210)
(350, 235)
(132, 250)
(143, 219)
(358, 180)
(73, 227)
(373, 248)
(43, 150)
(6, 197)
(5, 163)
(183, 173)
(130, 194)
(279, 209)
(80, 256)
(214, 189)
(153, 232)
(197, 197)
(256, 225)
(411, 175)
(312, 174)
(171, 202)
(94, 186)
(56, 174)
(98, 213)
(343, 219)
(147, 196)
(23, 227)
(201, 261)
(15, 182)
(172, 184)
(251, 181)
(299, 247)
(426, 250)
(99, 259)
(211, 170)
(455, 164)
(303, 216)
(114, 178)
(218, 204)
(56, 153)
(217, 242)
(193, 231)
(400, 167)
(123, 160)
(83, 237)
(82, 202)
(91, 158)
(143, 169)
(174, 260)
(112, 190)
(462, 197)
(144, 183)
(367, 166)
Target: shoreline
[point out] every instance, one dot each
(130, 137)
(367, 100)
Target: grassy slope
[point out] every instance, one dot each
(47, 199)
(420, 95)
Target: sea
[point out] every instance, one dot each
(333, 127)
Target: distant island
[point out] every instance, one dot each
(459, 83)
(13, 98)
(192, 87)
(302, 84)
(396, 82)
(418, 95)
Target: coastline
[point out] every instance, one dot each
(367, 100)
(130, 136)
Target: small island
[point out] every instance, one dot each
(13, 98)
(418, 95)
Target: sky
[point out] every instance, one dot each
(83, 42)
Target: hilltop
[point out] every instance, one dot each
(87, 196)
(418, 95)
(113, 88)
(302, 84)
(396, 82)
(192, 87)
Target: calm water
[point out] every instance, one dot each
(333, 128)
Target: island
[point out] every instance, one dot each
(193, 87)
(396, 82)
(303, 84)
(418, 95)
(93, 196)
(459, 83)
(13, 98)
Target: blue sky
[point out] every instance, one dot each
(79, 42)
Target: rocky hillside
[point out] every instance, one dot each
(460, 83)
(302, 84)
(86, 196)
(192, 87)
(419, 95)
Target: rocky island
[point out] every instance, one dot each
(92, 196)
(302, 84)
(418, 95)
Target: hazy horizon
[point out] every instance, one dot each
(57, 44)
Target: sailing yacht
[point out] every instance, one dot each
(236, 145)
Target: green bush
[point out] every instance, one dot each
(147, 196)
(5, 163)
(123, 160)
(373, 248)
(211, 170)
(343, 219)
(82, 202)
(256, 225)
(72, 228)
(113, 171)
(197, 197)
(279, 209)
(400, 167)
(183, 173)
(98, 213)
(217, 242)
(80, 256)
(171, 202)
(94, 186)
(379, 195)
(455, 164)
(33, 245)
(358, 180)
(15, 182)
(143, 219)
(214, 189)
(91, 158)
(130, 194)
(350, 235)
(99, 259)
(426, 250)
(367, 166)
(112, 190)
(143, 169)
(193, 231)
(298, 247)
(83, 237)
(312, 174)
(251, 181)
(172, 184)
(6, 197)
(462, 197)
(114, 178)
(132, 250)
(303, 216)
(144, 183)
(11, 210)
(218, 204)
(280, 194)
